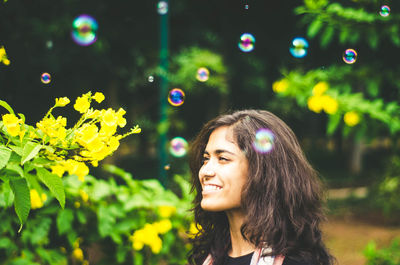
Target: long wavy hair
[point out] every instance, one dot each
(282, 198)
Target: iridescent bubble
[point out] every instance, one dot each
(264, 141)
(167, 167)
(349, 56)
(84, 30)
(45, 78)
(246, 6)
(176, 97)
(246, 43)
(202, 74)
(385, 11)
(151, 79)
(178, 147)
(299, 47)
(162, 7)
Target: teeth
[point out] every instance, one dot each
(211, 187)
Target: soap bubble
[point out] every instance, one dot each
(162, 7)
(264, 141)
(385, 11)
(45, 78)
(202, 74)
(349, 56)
(246, 6)
(176, 97)
(299, 47)
(151, 78)
(178, 147)
(84, 30)
(246, 43)
(167, 167)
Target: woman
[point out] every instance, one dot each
(258, 200)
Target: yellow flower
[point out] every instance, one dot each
(148, 235)
(320, 88)
(280, 86)
(109, 117)
(12, 123)
(61, 102)
(351, 118)
(84, 195)
(121, 121)
(36, 199)
(82, 104)
(315, 103)
(330, 105)
(163, 226)
(58, 170)
(77, 204)
(87, 134)
(194, 230)
(78, 254)
(77, 168)
(6, 61)
(166, 211)
(99, 97)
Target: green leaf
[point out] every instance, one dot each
(22, 199)
(64, 221)
(333, 122)
(6, 106)
(16, 168)
(5, 154)
(314, 27)
(327, 36)
(54, 183)
(30, 150)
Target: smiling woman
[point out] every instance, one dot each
(258, 200)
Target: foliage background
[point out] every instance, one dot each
(36, 36)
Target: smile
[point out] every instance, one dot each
(210, 187)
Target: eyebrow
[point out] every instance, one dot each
(219, 151)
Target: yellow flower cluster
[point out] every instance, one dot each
(13, 124)
(3, 56)
(351, 118)
(77, 253)
(280, 86)
(166, 211)
(149, 235)
(36, 199)
(93, 137)
(320, 101)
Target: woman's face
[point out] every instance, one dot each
(223, 173)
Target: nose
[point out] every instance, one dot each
(206, 172)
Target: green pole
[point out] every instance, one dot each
(163, 124)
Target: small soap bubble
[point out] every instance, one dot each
(349, 56)
(176, 97)
(84, 30)
(167, 167)
(178, 147)
(162, 7)
(202, 74)
(385, 11)
(264, 141)
(151, 79)
(45, 78)
(299, 47)
(246, 6)
(246, 42)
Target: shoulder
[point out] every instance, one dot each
(290, 261)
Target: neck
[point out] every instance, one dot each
(240, 246)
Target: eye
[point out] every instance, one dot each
(222, 158)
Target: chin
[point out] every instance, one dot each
(210, 208)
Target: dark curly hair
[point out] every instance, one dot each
(282, 198)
